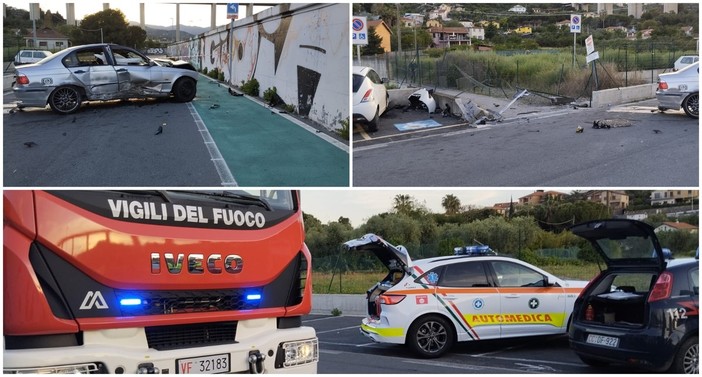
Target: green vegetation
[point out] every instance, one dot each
(270, 94)
(343, 132)
(537, 234)
(359, 282)
(250, 87)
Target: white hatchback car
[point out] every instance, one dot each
(680, 89)
(370, 97)
(429, 304)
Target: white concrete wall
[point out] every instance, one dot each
(300, 49)
(616, 96)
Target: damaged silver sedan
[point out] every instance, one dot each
(100, 72)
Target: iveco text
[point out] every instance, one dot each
(233, 263)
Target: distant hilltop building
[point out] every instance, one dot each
(518, 9)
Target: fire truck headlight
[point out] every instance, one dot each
(297, 353)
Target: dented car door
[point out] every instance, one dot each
(98, 78)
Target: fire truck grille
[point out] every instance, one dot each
(191, 335)
(172, 302)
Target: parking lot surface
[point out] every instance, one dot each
(532, 147)
(238, 142)
(344, 350)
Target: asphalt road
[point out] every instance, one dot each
(539, 148)
(117, 143)
(106, 144)
(344, 350)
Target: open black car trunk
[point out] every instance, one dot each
(619, 298)
(635, 259)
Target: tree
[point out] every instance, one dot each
(404, 204)
(134, 37)
(451, 204)
(114, 27)
(490, 31)
(374, 46)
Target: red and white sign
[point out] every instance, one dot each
(422, 299)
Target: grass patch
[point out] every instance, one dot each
(359, 282)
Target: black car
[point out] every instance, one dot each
(643, 309)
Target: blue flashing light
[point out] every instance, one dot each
(130, 301)
(253, 297)
(474, 250)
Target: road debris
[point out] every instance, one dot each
(611, 123)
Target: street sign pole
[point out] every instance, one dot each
(574, 28)
(574, 43)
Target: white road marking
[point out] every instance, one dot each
(341, 329)
(225, 175)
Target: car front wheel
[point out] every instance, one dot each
(687, 360)
(691, 105)
(65, 100)
(431, 336)
(184, 89)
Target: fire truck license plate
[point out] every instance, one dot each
(602, 340)
(204, 364)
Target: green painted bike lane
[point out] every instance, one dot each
(262, 148)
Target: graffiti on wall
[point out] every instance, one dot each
(300, 49)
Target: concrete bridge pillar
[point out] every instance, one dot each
(635, 9)
(177, 22)
(607, 9)
(670, 8)
(70, 14)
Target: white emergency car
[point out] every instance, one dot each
(429, 304)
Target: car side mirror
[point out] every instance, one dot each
(385, 80)
(547, 282)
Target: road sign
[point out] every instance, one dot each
(359, 30)
(589, 45)
(575, 23)
(594, 56)
(232, 11)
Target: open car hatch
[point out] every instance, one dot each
(393, 257)
(623, 242)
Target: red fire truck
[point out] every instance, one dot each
(156, 282)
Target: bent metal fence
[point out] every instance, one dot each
(500, 73)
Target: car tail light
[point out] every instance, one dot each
(663, 287)
(662, 85)
(367, 96)
(387, 300)
(22, 80)
(391, 299)
(590, 313)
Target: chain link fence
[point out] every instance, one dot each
(501, 73)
